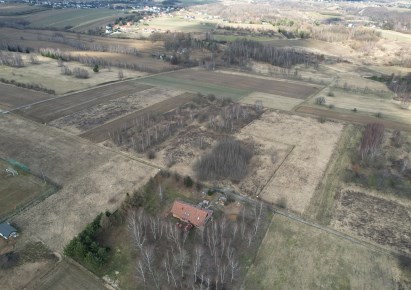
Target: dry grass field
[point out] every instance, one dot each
(297, 256)
(91, 117)
(17, 191)
(93, 179)
(381, 220)
(272, 101)
(298, 176)
(52, 78)
(12, 97)
(101, 133)
(65, 105)
(351, 117)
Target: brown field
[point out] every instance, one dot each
(12, 97)
(65, 105)
(68, 275)
(380, 220)
(100, 133)
(93, 179)
(91, 117)
(297, 256)
(299, 174)
(351, 117)
(17, 191)
(250, 83)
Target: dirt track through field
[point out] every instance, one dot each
(269, 86)
(100, 133)
(45, 112)
(353, 118)
(12, 97)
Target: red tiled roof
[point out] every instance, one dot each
(189, 213)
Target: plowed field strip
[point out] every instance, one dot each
(12, 97)
(47, 111)
(100, 133)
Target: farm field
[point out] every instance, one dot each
(17, 191)
(299, 174)
(12, 97)
(52, 78)
(74, 19)
(349, 116)
(230, 84)
(297, 256)
(67, 275)
(91, 117)
(12, 9)
(272, 101)
(93, 179)
(43, 39)
(179, 24)
(100, 133)
(65, 105)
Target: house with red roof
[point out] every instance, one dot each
(188, 213)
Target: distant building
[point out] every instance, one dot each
(185, 212)
(7, 231)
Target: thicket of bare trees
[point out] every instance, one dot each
(11, 59)
(401, 86)
(240, 51)
(372, 139)
(169, 258)
(227, 160)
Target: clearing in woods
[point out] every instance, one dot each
(63, 106)
(101, 133)
(17, 191)
(296, 256)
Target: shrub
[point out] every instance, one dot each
(151, 154)
(66, 71)
(80, 73)
(378, 115)
(331, 106)
(354, 110)
(320, 101)
(96, 68)
(322, 119)
(211, 97)
(282, 202)
(188, 182)
(228, 159)
(331, 94)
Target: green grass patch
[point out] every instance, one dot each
(196, 86)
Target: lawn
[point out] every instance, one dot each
(16, 192)
(297, 256)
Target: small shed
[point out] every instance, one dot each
(7, 231)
